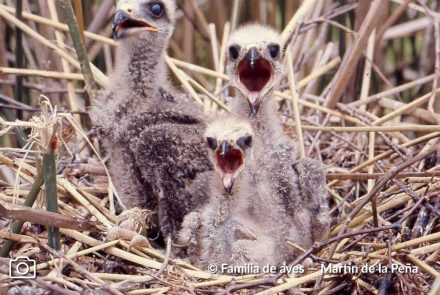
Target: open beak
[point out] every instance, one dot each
(229, 163)
(125, 25)
(255, 77)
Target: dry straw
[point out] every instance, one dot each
(385, 186)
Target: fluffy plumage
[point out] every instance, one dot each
(226, 230)
(255, 204)
(153, 139)
(255, 67)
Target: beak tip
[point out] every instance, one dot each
(254, 107)
(228, 183)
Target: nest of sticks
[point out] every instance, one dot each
(379, 144)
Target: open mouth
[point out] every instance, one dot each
(129, 26)
(257, 77)
(230, 162)
(229, 165)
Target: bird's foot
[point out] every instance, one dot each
(130, 224)
(136, 240)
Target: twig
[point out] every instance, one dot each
(41, 73)
(50, 191)
(366, 176)
(29, 201)
(60, 26)
(386, 128)
(101, 78)
(315, 248)
(416, 198)
(295, 97)
(48, 218)
(80, 49)
(389, 175)
(347, 67)
(19, 56)
(79, 268)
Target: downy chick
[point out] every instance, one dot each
(239, 225)
(154, 140)
(255, 68)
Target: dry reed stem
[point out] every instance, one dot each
(66, 68)
(17, 237)
(83, 201)
(390, 200)
(183, 80)
(406, 108)
(386, 128)
(347, 67)
(222, 60)
(59, 26)
(417, 8)
(296, 115)
(290, 28)
(42, 73)
(100, 77)
(422, 265)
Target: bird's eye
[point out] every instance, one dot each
(274, 50)
(157, 9)
(212, 143)
(234, 52)
(245, 141)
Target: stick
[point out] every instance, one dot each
(350, 59)
(48, 218)
(29, 201)
(295, 98)
(80, 49)
(50, 191)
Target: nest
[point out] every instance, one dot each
(381, 152)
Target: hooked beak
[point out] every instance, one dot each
(125, 25)
(254, 103)
(252, 57)
(228, 183)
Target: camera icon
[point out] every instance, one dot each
(22, 268)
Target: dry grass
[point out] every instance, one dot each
(367, 79)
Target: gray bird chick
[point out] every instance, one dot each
(255, 67)
(154, 140)
(243, 222)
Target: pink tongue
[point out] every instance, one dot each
(253, 96)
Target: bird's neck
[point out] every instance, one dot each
(265, 123)
(142, 69)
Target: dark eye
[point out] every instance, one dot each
(274, 50)
(245, 141)
(212, 143)
(157, 9)
(234, 51)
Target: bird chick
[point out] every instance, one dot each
(154, 140)
(255, 58)
(228, 229)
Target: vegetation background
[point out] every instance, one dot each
(360, 93)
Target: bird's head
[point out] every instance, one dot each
(230, 144)
(143, 19)
(254, 62)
